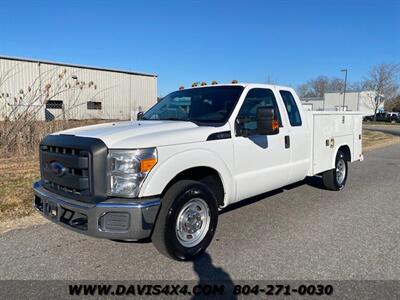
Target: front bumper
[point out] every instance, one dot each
(114, 218)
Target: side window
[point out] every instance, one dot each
(54, 104)
(291, 108)
(247, 117)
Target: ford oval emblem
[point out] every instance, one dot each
(56, 168)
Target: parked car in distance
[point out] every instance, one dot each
(392, 117)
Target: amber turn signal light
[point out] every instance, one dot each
(275, 125)
(147, 164)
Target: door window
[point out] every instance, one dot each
(247, 117)
(291, 108)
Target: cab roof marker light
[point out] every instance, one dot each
(234, 81)
(203, 83)
(214, 82)
(181, 88)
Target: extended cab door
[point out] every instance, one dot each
(298, 136)
(262, 163)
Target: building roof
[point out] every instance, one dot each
(312, 99)
(76, 66)
(351, 92)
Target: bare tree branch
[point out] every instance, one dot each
(383, 80)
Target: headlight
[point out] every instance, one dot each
(127, 169)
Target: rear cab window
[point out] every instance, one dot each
(291, 108)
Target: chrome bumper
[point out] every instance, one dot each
(115, 218)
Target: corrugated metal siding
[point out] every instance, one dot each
(119, 93)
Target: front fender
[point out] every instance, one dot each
(167, 169)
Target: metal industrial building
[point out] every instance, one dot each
(51, 90)
(363, 101)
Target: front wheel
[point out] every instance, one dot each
(335, 179)
(187, 220)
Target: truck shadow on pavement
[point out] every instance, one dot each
(211, 275)
(314, 181)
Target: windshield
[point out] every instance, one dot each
(206, 105)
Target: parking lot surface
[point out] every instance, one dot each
(299, 232)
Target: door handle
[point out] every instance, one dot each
(287, 141)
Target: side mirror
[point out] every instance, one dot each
(267, 124)
(139, 115)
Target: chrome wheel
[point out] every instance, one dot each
(340, 171)
(193, 222)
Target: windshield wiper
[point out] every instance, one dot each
(175, 119)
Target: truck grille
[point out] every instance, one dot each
(74, 167)
(75, 177)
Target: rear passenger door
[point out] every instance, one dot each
(298, 136)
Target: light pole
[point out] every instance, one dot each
(344, 91)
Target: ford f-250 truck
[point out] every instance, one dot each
(198, 150)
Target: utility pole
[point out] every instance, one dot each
(344, 91)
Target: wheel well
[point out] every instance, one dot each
(206, 175)
(346, 151)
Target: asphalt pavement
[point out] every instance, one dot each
(300, 232)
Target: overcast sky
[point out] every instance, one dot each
(288, 42)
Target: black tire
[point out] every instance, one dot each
(165, 237)
(330, 177)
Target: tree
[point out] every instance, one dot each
(383, 80)
(393, 104)
(21, 108)
(320, 85)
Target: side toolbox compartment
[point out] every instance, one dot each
(330, 131)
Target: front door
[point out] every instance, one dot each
(262, 163)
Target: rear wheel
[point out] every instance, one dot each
(187, 220)
(336, 178)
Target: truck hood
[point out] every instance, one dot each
(144, 134)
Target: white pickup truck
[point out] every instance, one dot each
(166, 176)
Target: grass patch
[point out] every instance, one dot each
(17, 176)
(375, 139)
